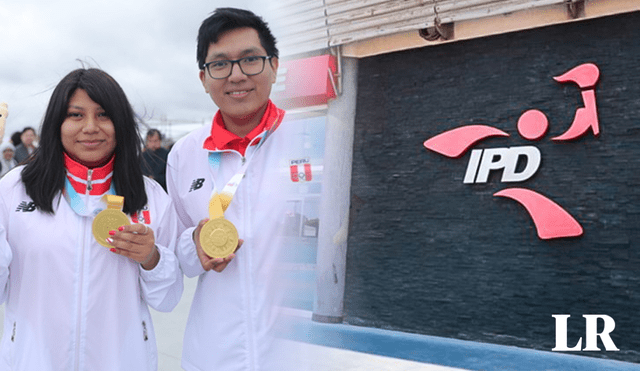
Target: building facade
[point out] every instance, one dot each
(521, 223)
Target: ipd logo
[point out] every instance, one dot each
(550, 219)
(482, 161)
(591, 333)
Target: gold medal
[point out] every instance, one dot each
(109, 219)
(218, 238)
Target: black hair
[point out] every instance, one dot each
(153, 132)
(44, 173)
(27, 129)
(15, 138)
(227, 19)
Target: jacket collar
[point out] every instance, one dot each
(97, 180)
(221, 139)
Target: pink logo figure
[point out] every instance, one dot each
(551, 220)
(586, 76)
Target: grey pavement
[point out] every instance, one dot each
(169, 328)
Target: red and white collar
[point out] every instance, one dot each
(97, 180)
(222, 139)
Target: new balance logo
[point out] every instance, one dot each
(197, 184)
(26, 207)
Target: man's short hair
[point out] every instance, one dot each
(27, 128)
(153, 132)
(227, 19)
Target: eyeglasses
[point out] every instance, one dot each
(250, 66)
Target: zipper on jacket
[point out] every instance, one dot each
(249, 300)
(89, 174)
(80, 288)
(144, 331)
(13, 333)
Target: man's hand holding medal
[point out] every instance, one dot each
(218, 264)
(216, 238)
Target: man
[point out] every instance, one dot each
(233, 311)
(155, 158)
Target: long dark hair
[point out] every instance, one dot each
(44, 173)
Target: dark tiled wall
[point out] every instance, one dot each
(431, 255)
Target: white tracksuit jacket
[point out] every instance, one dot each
(233, 312)
(71, 304)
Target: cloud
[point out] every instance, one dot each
(147, 46)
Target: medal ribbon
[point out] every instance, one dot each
(220, 201)
(76, 203)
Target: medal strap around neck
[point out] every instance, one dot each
(76, 203)
(220, 201)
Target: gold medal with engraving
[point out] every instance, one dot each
(218, 237)
(109, 219)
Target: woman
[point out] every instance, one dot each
(27, 144)
(72, 304)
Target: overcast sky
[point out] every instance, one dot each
(148, 46)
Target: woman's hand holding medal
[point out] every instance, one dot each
(136, 242)
(111, 228)
(209, 263)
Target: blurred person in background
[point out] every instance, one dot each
(27, 145)
(15, 138)
(7, 162)
(155, 158)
